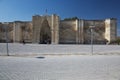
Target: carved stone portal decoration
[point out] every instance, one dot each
(46, 29)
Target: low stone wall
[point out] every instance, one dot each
(16, 49)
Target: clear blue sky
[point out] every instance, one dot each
(11, 10)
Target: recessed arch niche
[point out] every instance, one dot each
(45, 33)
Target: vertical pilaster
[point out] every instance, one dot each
(55, 29)
(52, 30)
(77, 31)
(14, 31)
(81, 31)
(110, 29)
(17, 32)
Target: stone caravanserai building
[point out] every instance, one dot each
(50, 29)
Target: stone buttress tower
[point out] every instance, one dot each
(110, 29)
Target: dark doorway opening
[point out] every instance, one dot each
(45, 33)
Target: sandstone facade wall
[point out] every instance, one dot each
(59, 31)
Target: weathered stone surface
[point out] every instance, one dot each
(50, 29)
(68, 32)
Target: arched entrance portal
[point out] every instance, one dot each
(45, 33)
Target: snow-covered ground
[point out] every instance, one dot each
(80, 67)
(40, 49)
